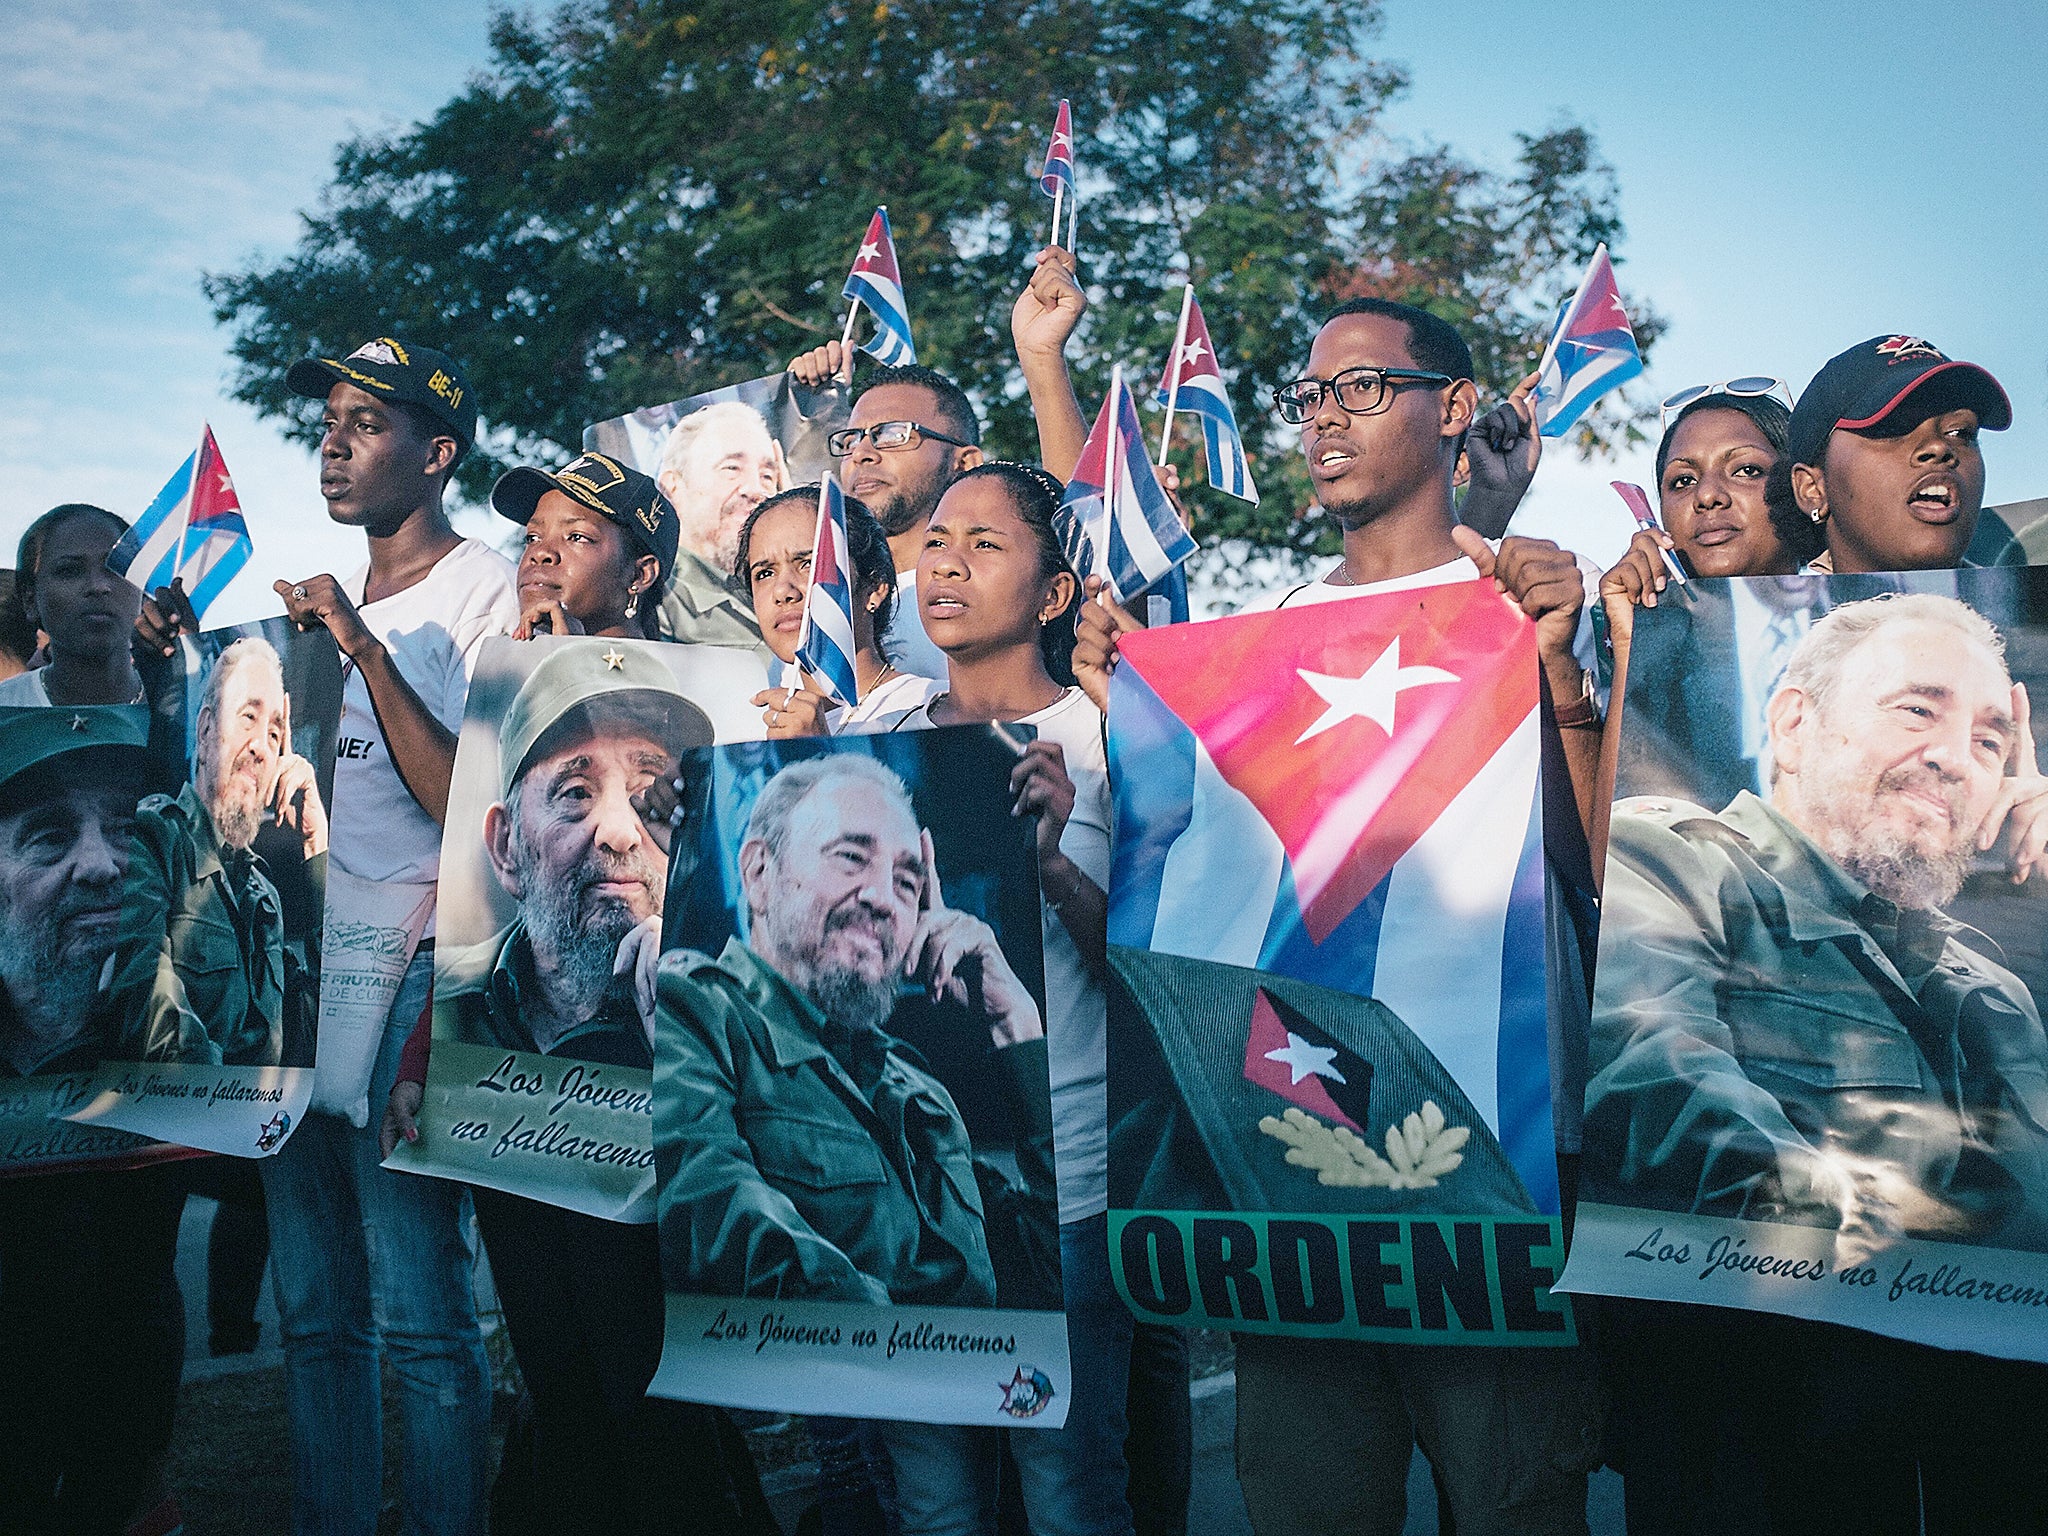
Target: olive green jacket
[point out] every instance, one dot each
(199, 968)
(779, 1177)
(1768, 1034)
(700, 608)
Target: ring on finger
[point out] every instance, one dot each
(299, 592)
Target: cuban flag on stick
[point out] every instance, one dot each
(1125, 525)
(825, 646)
(1193, 382)
(876, 282)
(1057, 179)
(193, 529)
(1361, 778)
(1591, 351)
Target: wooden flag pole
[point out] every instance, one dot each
(1180, 341)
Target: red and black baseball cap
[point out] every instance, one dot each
(394, 370)
(615, 491)
(1858, 390)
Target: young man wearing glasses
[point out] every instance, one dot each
(913, 433)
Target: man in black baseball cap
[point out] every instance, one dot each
(392, 371)
(599, 537)
(1883, 455)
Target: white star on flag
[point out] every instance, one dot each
(1371, 695)
(226, 485)
(868, 253)
(1192, 352)
(1305, 1060)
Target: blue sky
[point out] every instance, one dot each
(1793, 178)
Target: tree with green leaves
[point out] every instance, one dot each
(644, 199)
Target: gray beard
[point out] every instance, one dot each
(580, 953)
(52, 996)
(851, 1001)
(1902, 875)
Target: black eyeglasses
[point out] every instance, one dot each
(887, 435)
(1359, 391)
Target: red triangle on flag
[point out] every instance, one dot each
(1290, 1066)
(1350, 725)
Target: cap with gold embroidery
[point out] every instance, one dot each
(389, 369)
(612, 490)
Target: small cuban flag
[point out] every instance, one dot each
(825, 645)
(1591, 351)
(1124, 526)
(1059, 155)
(193, 529)
(876, 282)
(1193, 382)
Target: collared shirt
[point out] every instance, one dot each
(485, 985)
(199, 967)
(1770, 1035)
(781, 1175)
(701, 608)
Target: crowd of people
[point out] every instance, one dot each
(965, 610)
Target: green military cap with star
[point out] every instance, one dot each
(35, 738)
(585, 670)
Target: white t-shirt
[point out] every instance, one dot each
(1076, 1009)
(1570, 1019)
(904, 641)
(433, 630)
(25, 690)
(884, 708)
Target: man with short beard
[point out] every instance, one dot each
(1789, 1027)
(912, 434)
(592, 728)
(200, 966)
(801, 1150)
(718, 464)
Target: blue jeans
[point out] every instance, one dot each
(357, 1254)
(1074, 1479)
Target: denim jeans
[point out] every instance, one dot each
(359, 1253)
(1074, 1479)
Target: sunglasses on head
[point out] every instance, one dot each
(1747, 388)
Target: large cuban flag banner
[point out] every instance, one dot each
(1329, 1074)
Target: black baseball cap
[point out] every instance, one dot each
(393, 370)
(1859, 388)
(607, 487)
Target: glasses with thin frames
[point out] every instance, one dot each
(1748, 389)
(1358, 391)
(889, 436)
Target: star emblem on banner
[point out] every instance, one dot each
(1371, 695)
(227, 486)
(1305, 1060)
(1192, 352)
(869, 252)
(78, 722)
(615, 659)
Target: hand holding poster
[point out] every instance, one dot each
(554, 872)
(212, 990)
(1820, 1082)
(853, 1117)
(1329, 1089)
